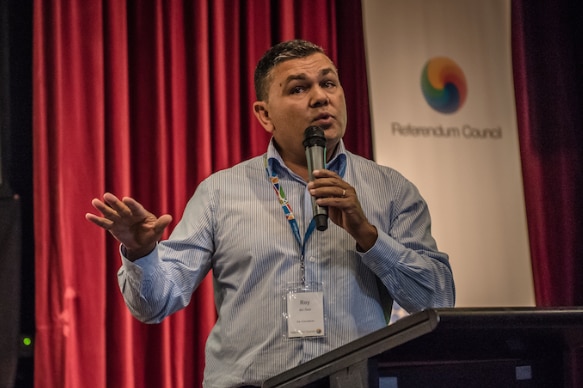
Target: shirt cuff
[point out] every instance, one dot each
(383, 255)
(141, 264)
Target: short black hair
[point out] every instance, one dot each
(281, 52)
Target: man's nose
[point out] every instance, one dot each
(318, 96)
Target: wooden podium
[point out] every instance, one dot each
(459, 347)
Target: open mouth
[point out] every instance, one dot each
(324, 120)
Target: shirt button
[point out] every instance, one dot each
(312, 259)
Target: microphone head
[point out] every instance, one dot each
(314, 136)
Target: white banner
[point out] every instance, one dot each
(440, 79)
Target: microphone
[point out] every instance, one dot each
(315, 145)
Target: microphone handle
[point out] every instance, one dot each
(315, 156)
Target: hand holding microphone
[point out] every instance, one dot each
(342, 202)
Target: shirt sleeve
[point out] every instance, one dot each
(406, 259)
(162, 282)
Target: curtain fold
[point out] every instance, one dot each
(546, 52)
(548, 84)
(68, 118)
(146, 99)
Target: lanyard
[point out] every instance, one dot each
(289, 215)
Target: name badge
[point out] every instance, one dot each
(305, 314)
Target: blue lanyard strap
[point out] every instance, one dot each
(289, 215)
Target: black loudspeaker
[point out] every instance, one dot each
(16, 212)
(3, 90)
(10, 255)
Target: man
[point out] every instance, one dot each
(285, 292)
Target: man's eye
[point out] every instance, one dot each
(297, 89)
(329, 84)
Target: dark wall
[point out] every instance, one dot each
(16, 169)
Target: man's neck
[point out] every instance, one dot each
(298, 163)
(299, 169)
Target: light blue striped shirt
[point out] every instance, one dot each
(235, 227)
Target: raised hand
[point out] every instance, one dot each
(132, 225)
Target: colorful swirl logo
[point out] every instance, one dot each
(443, 85)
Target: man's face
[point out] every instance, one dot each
(303, 92)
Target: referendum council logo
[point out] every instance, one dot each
(443, 85)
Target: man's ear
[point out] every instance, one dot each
(260, 111)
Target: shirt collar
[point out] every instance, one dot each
(336, 164)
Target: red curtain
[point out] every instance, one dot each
(547, 56)
(146, 99)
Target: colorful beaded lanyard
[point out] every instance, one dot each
(289, 215)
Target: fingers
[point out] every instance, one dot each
(162, 223)
(113, 208)
(325, 174)
(329, 185)
(114, 211)
(120, 207)
(99, 221)
(105, 209)
(136, 209)
(131, 206)
(340, 193)
(129, 222)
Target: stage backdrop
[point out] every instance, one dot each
(443, 113)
